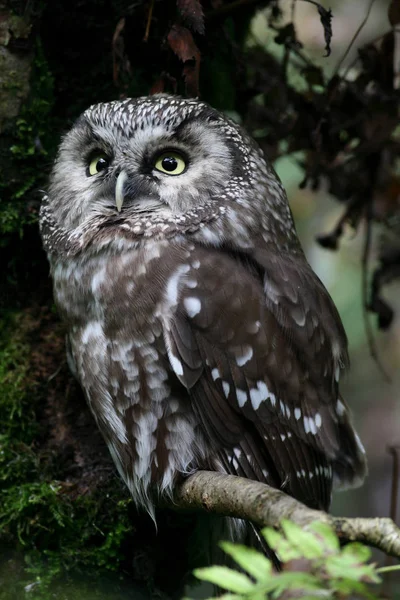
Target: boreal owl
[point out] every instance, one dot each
(199, 333)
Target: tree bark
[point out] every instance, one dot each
(266, 506)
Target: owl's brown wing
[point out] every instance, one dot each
(259, 345)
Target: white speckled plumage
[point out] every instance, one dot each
(199, 333)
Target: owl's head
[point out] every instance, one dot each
(150, 166)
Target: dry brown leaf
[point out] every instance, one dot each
(182, 44)
(120, 60)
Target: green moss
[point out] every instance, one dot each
(16, 412)
(55, 531)
(25, 152)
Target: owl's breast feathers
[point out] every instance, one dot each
(192, 357)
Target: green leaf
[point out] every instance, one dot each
(347, 587)
(280, 545)
(255, 563)
(326, 532)
(292, 580)
(226, 578)
(344, 567)
(309, 546)
(229, 597)
(272, 537)
(357, 551)
(223, 597)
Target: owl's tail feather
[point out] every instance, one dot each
(257, 541)
(350, 465)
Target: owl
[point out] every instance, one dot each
(200, 335)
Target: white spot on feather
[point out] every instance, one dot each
(98, 279)
(237, 452)
(235, 463)
(340, 408)
(210, 236)
(92, 330)
(192, 305)
(297, 413)
(359, 443)
(176, 364)
(312, 425)
(244, 358)
(215, 374)
(253, 327)
(241, 396)
(306, 424)
(226, 387)
(257, 395)
(299, 316)
(172, 290)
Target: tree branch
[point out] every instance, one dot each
(233, 496)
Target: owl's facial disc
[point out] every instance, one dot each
(145, 160)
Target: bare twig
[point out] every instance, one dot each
(148, 24)
(355, 36)
(263, 505)
(364, 271)
(394, 452)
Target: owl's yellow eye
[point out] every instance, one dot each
(170, 163)
(98, 163)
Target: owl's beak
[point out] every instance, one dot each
(119, 190)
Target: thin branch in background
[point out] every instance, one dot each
(394, 452)
(120, 60)
(355, 36)
(396, 57)
(364, 270)
(293, 10)
(288, 47)
(148, 24)
(334, 90)
(295, 50)
(364, 274)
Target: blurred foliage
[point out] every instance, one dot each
(313, 565)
